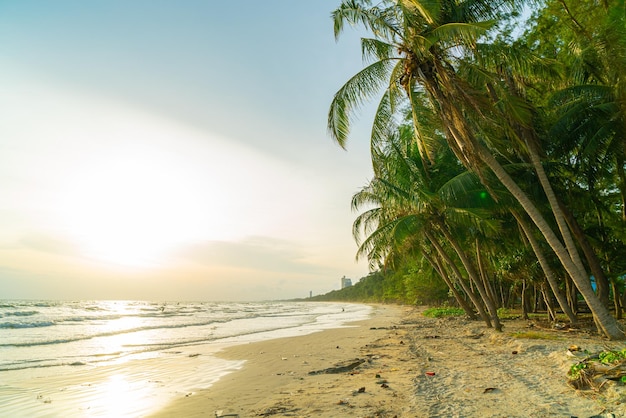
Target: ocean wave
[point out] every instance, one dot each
(101, 334)
(91, 330)
(19, 313)
(89, 318)
(41, 364)
(46, 304)
(37, 324)
(168, 326)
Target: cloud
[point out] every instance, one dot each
(258, 253)
(47, 244)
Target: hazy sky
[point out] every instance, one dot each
(154, 149)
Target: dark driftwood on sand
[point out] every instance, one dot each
(342, 367)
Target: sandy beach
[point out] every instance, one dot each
(402, 364)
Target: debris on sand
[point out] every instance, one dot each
(595, 371)
(342, 367)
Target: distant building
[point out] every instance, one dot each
(345, 282)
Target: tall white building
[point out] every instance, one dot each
(345, 282)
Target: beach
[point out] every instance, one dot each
(399, 363)
(309, 360)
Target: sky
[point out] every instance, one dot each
(175, 150)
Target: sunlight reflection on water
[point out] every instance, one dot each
(118, 396)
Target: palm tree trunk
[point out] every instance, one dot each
(483, 275)
(608, 325)
(547, 270)
(474, 277)
(556, 209)
(572, 294)
(549, 307)
(616, 300)
(524, 300)
(436, 264)
(477, 303)
(602, 281)
(622, 184)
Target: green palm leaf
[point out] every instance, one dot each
(377, 50)
(378, 21)
(456, 34)
(360, 88)
(428, 10)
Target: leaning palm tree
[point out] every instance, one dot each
(417, 49)
(416, 202)
(589, 135)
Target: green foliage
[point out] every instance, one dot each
(368, 289)
(465, 100)
(584, 374)
(443, 311)
(609, 357)
(575, 370)
(424, 288)
(533, 335)
(404, 286)
(504, 313)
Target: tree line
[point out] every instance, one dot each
(498, 154)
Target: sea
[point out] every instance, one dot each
(72, 358)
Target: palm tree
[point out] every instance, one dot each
(588, 137)
(590, 114)
(418, 48)
(435, 261)
(414, 200)
(549, 273)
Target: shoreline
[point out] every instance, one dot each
(143, 382)
(276, 377)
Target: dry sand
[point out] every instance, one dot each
(412, 366)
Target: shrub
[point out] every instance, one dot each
(443, 311)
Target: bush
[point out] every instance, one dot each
(443, 311)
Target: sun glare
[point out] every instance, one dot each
(132, 209)
(123, 395)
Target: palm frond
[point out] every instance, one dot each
(365, 223)
(365, 197)
(457, 188)
(479, 220)
(459, 33)
(517, 61)
(385, 119)
(405, 227)
(377, 50)
(360, 12)
(480, 10)
(377, 245)
(424, 123)
(517, 108)
(429, 10)
(351, 96)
